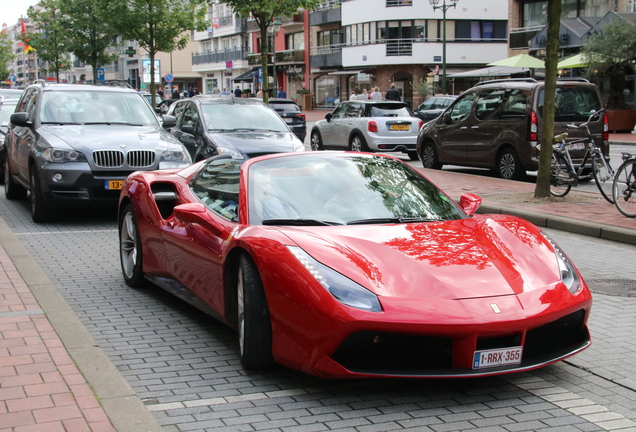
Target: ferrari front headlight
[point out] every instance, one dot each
(339, 286)
(569, 275)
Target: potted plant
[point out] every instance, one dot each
(305, 98)
(609, 54)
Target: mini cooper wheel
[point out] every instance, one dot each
(254, 325)
(130, 251)
(428, 155)
(12, 190)
(358, 144)
(315, 140)
(39, 211)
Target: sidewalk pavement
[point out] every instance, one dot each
(54, 377)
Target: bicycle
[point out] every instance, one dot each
(624, 186)
(563, 175)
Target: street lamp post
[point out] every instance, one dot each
(444, 7)
(275, 28)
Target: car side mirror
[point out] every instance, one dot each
(169, 121)
(328, 116)
(197, 213)
(446, 118)
(189, 129)
(20, 119)
(469, 203)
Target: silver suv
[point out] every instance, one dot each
(74, 145)
(370, 126)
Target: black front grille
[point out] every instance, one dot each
(555, 336)
(393, 353)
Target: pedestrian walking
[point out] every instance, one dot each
(353, 95)
(238, 92)
(376, 95)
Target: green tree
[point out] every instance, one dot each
(90, 33)
(542, 188)
(158, 25)
(610, 53)
(50, 40)
(6, 56)
(264, 13)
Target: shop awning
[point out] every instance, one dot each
(247, 76)
(346, 72)
(490, 72)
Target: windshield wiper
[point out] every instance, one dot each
(392, 220)
(60, 123)
(297, 222)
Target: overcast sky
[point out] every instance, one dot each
(11, 10)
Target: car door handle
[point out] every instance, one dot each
(474, 127)
(463, 127)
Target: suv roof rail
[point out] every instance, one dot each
(117, 83)
(532, 80)
(40, 81)
(579, 79)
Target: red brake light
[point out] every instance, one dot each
(534, 127)
(605, 126)
(420, 124)
(302, 116)
(372, 126)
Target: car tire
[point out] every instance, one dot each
(412, 155)
(39, 211)
(428, 155)
(508, 165)
(130, 249)
(12, 190)
(254, 324)
(315, 141)
(358, 144)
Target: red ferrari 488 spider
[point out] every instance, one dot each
(353, 265)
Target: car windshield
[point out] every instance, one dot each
(95, 107)
(6, 109)
(242, 117)
(343, 188)
(389, 111)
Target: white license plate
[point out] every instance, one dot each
(497, 357)
(289, 120)
(577, 146)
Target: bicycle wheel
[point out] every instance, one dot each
(624, 190)
(559, 177)
(603, 176)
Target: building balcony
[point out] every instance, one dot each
(326, 56)
(210, 57)
(520, 37)
(282, 57)
(325, 13)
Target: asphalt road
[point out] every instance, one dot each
(185, 367)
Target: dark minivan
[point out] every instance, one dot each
(496, 125)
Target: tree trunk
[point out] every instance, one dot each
(542, 188)
(263, 25)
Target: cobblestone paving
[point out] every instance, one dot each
(185, 365)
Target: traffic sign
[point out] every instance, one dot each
(169, 78)
(101, 74)
(12, 77)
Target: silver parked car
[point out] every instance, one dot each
(72, 146)
(370, 126)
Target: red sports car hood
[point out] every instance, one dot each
(479, 257)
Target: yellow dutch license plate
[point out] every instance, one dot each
(399, 127)
(113, 184)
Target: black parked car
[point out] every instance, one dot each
(241, 127)
(293, 115)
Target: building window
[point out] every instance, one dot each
(535, 13)
(398, 3)
(480, 30)
(631, 6)
(295, 41)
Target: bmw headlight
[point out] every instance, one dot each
(230, 151)
(62, 155)
(569, 276)
(340, 287)
(174, 158)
